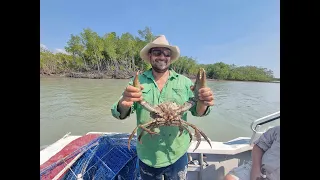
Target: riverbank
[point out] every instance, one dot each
(90, 75)
(95, 75)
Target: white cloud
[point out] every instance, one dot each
(43, 46)
(57, 50)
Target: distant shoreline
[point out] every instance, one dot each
(105, 76)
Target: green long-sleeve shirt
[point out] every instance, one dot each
(165, 148)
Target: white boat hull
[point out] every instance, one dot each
(213, 163)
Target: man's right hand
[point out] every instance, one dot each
(130, 95)
(255, 173)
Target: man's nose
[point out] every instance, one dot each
(161, 56)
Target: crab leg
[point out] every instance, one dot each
(143, 103)
(190, 134)
(173, 123)
(196, 129)
(182, 126)
(187, 105)
(151, 126)
(149, 131)
(198, 137)
(143, 129)
(140, 135)
(131, 135)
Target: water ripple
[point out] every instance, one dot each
(82, 105)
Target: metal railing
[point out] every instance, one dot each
(264, 120)
(255, 125)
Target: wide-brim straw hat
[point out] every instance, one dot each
(160, 41)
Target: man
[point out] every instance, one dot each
(163, 154)
(265, 157)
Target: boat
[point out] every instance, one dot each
(104, 155)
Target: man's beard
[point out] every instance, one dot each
(160, 66)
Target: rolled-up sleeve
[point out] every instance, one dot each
(115, 113)
(194, 112)
(114, 108)
(266, 139)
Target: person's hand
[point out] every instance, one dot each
(255, 174)
(130, 95)
(206, 95)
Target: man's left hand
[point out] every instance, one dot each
(206, 95)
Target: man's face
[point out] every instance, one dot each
(160, 59)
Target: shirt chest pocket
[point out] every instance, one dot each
(147, 96)
(180, 95)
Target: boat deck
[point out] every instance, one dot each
(232, 147)
(208, 163)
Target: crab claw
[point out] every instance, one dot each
(136, 82)
(201, 82)
(143, 103)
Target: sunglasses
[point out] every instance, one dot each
(158, 52)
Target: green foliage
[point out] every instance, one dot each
(89, 51)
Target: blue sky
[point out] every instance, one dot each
(245, 32)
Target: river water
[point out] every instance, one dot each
(82, 105)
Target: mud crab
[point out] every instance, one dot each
(169, 113)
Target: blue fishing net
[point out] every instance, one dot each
(109, 159)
